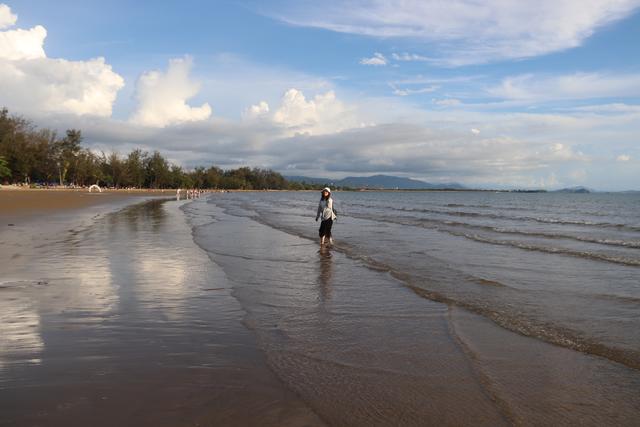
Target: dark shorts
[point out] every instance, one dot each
(325, 228)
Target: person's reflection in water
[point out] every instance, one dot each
(325, 275)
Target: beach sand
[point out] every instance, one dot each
(18, 202)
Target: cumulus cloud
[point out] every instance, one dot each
(466, 31)
(32, 82)
(376, 59)
(162, 96)
(7, 18)
(623, 158)
(256, 111)
(23, 44)
(324, 113)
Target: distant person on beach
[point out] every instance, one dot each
(328, 215)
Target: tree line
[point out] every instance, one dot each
(36, 156)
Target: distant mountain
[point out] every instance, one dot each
(574, 190)
(377, 182)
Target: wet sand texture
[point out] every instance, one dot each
(127, 322)
(39, 202)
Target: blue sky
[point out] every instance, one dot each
(489, 94)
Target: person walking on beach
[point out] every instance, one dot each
(328, 215)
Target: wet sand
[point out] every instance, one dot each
(36, 202)
(120, 319)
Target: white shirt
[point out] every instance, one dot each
(325, 209)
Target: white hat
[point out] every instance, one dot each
(327, 189)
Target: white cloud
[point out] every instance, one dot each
(23, 44)
(256, 111)
(466, 31)
(512, 150)
(376, 59)
(623, 158)
(7, 19)
(407, 92)
(475, 131)
(578, 175)
(447, 102)
(529, 87)
(322, 114)
(609, 108)
(32, 82)
(162, 97)
(410, 57)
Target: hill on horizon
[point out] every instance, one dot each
(383, 182)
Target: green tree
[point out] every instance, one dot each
(5, 172)
(114, 170)
(213, 177)
(157, 168)
(135, 174)
(67, 150)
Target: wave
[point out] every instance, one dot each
(502, 230)
(554, 250)
(531, 327)
(504, 316)
(490, 215)
(544, 220)
(436, 286)
(437, 225)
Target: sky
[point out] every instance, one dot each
(489, 94)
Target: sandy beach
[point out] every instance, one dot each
(224, 311)
(18, 202)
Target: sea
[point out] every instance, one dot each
(460, 308)
(562, 268)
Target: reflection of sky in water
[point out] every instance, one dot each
(20, 335)
(161, 282)
(78, 275)
(94, 290)
(78, 281)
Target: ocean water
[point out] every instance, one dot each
(561, 268)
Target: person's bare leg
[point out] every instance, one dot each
(321, 240)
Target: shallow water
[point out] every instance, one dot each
(559, 267)
(358, 330)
